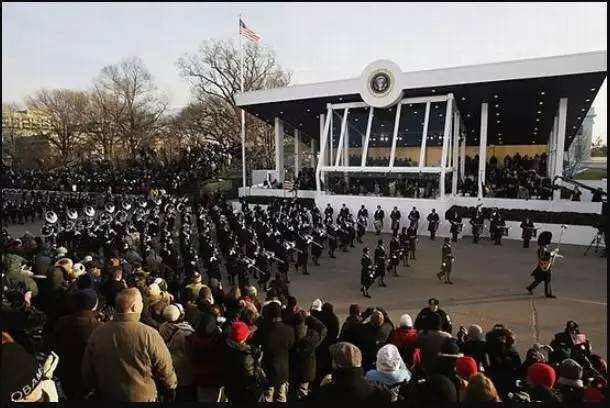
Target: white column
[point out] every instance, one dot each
(323, 159)
(340, 144)
(456, 143)
(279, 149)
(424, 137)
(446, 136)
(561, 138)
(365, 149)
(482, 148)
(463, 158)
(395, 135)
(297, 158)
(313, 152)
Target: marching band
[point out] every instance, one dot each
(251, 241)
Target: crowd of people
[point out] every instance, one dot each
(176, 175)
(135, 309)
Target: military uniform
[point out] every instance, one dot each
(447, 263)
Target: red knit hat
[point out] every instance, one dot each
(592, 394)
(466, 367)
(541, 374)
(239, 332)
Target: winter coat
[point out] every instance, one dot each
(431, 343)
(125, 359)
(303, 354)
(239, 372)
(349, 329)
(476, 349)
(348, 385)
(11, 263)
(405, 339)
(175, 335)
(205, 355)
(276, 339)
(69, 340)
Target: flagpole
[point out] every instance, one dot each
(243, 113)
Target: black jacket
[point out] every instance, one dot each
(239, 372)
(303, 354)
(276, 339)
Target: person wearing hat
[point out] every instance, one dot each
(126, 360)
(390, 370)
(472, 343)
(446, 262)
(570, 384)
(347, 383)
(422, 321)
(404, 338)
(175, 331)
(541, 379)
(480, 390)
(238, 366)
(69, 339)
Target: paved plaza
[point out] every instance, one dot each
(489, 287)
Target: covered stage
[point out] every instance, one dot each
(423, 128)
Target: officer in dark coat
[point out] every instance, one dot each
(328, 212)
(447, 262)
(378, 216)
(403, 239)
(422, 321)
(412, 236)
(477, 223)
(456, 222)
(302, 247)
(496, 227)
(395, 217)
(527, 227)
(433, 221)
(367, 276)
(414, 219)
(394, 255)
(332, 238)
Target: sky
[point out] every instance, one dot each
(64, 45)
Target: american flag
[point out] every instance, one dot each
(248, 33)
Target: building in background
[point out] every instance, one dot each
(24, 137)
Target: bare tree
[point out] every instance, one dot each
(213, 73)
(104, 114)
(139, 104)
(65, 114)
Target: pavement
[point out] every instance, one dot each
(489, 287)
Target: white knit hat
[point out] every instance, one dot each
(405, 321)
(316, 305)
(171, 313)
(388, 358)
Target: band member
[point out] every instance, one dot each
(433, 221)
(282, 266)
(447, 262)
(477, 225)
(262, 264)
(456, 225)
(542, 273)
(367, 276)
(414, 219)
(344, 235)
(328, 212)
(412, 236)
(351, 229)
(395, 217)
(343, 212)
(380, 262)
(361, 227)
(395, 254)
(302, 247)
(528, 231)
(403, 238)
(331, 231)
(378, 216)
(496, 227)
(363, 212)
(317, 246)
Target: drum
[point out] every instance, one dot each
(378, 225)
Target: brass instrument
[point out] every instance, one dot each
(50, 217)
(89, 211)
(126, 205)
(71, 214)
(121, 217)
(109, 208)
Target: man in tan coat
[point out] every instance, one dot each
(124, 358)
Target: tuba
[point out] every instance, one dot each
(71, 214)
(109, 207)
(50, 217)
(126, 205)
(90, 211)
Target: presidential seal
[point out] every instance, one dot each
(380, 83)
(380, 87)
